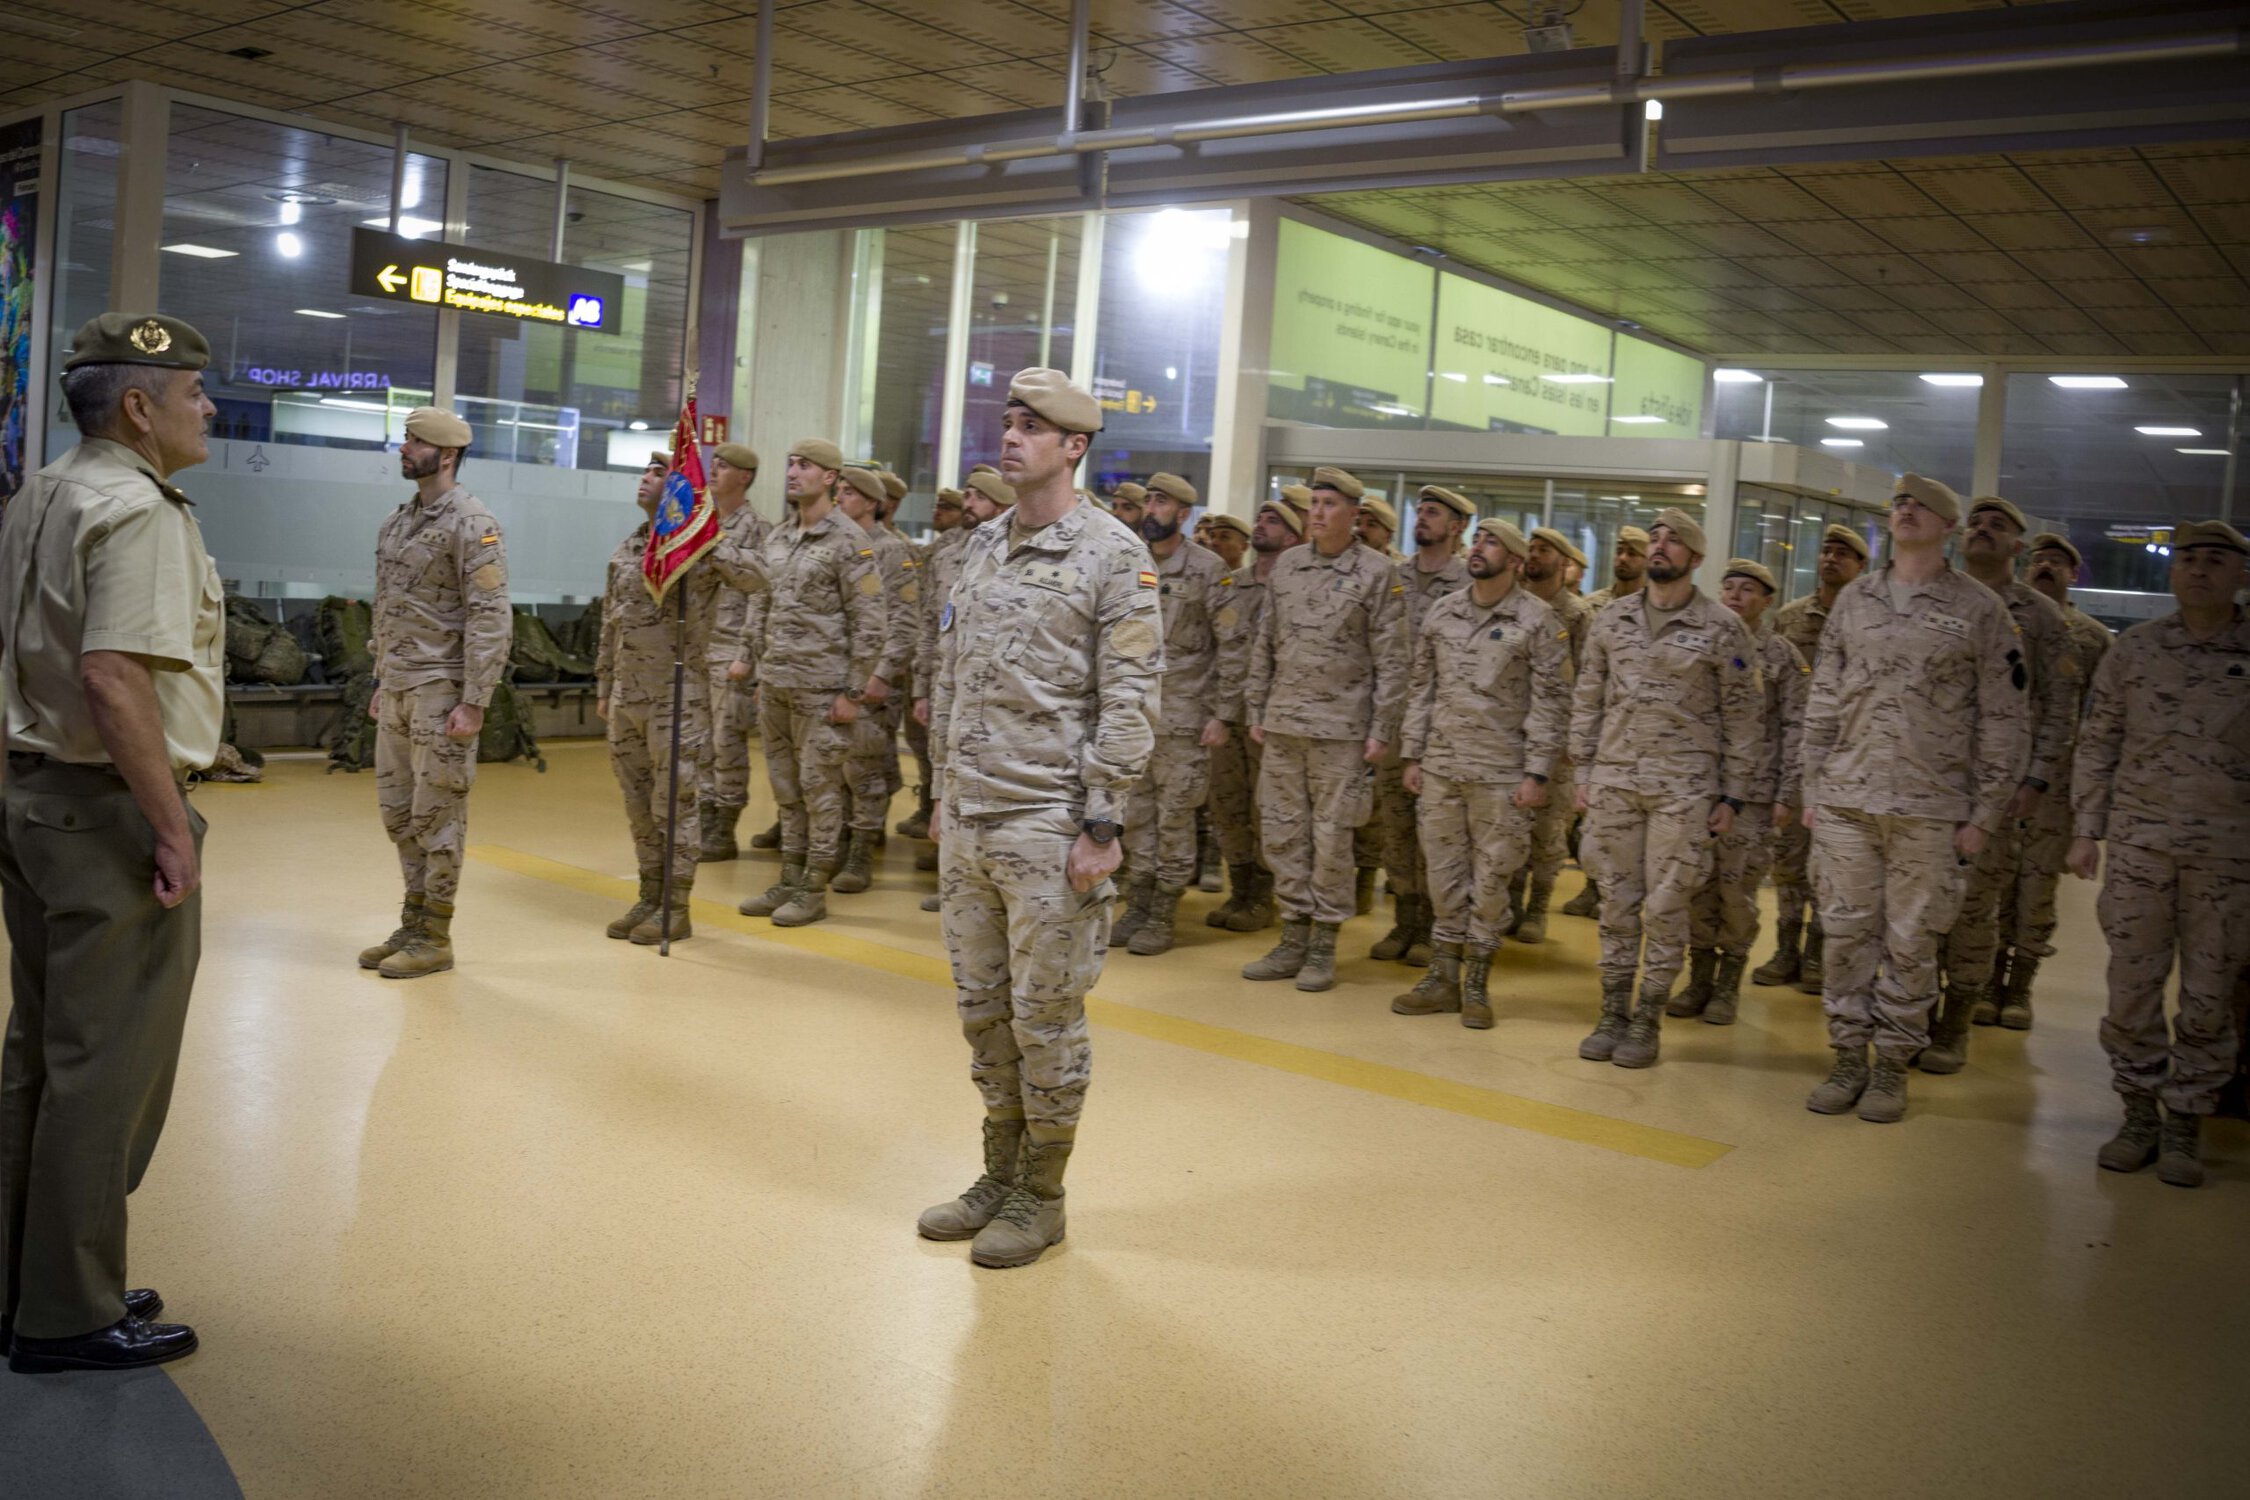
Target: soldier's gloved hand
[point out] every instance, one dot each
(2085, 858)
(1969, 841)
(1090, 863)
(465, 723)
(1530, 792)
(1376, 750)
(1214, 734)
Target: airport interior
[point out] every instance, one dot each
(570, 1216)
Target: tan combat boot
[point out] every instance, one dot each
(718, 843)
(653, 929)
(1782, 967)
(409, 919)
(1587, 903)
(1417, 951)
(1393, 944)
(1139, 892)
(858, 872)
(1532, 927)
(1644, 1038)
(1363, 890)
(639, 912)
(1239, 878)
(1030, 1218)
(1811, 971)
(774, 897)
(808, 900)
(1288, 955)
(1476, 1005)
(1987, 1012)
(1884, 1103)
(1318, 971)
(1258, 910)
(916, 824)
(1696, 993)
(1726, 990)
(964, 1216)
(932, 903)
(1844, 1084)
(1439, 990)
(2179, 1159)
(1518, 886)
(1617, 1011)
(1948, 1051)
(770, 839)
(2015, 996)
(2134, 1145)
(1155, 935)
(429, 951)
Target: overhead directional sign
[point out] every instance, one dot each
(391, 268)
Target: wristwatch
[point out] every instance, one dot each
(1733, 802)
(1101, 831)
(855, 694)
(1535, 776)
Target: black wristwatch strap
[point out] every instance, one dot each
(1101, 831)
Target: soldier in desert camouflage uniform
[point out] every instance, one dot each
(987, 496)
(1915, 739)
(1235, 760)
(1628, 569)
(1723, 917)
(1843, 554)
(946, 533)
(1125, 503)
(2163, 776)
(1327, 680)
(442, 633)
(1486, 716)
(1229, 537)
(1665, 730)
(1545, 567)
(1043, 717)
(871, 764)
(733, 668)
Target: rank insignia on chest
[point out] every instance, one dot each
(1148, 579)
(1497, 632)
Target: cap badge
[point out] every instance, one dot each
(150, 337)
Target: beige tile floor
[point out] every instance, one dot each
(574, 1220)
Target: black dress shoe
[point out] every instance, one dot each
(126, 1344)
(143, 1302)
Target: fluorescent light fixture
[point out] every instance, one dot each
(201, 252)
(1859, 424)
(637, 425)
(1496, 379)
(350, 405)
(2169, 431)
(314, 312)
(408, 226)
(288, 244)
(1841, 443)
(1578, 379)
(2087, 382)
(1653, 110)
(1738, 377)
(2203, 452)
(1456, 377)
(1964, 382)
(1636, 420)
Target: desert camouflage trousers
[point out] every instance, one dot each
(734, 718)
(1311, 795)
(1160, 811)
(1025, 949)
(640, 756)
(1391, 838)
(2027, 916)
(422, 782)
(1723, 915)
(2154, 910)
(1974, 943)
(1475, 839)
(805, 762)
(1792, 876)
(1234, 797)
(1550, 826)
(871, 776)
(1889, 890)
(1648, 855)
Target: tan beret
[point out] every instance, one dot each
(989, 484)
(1452, 500)
(819, 452)
(1221, 521)
(116, 338)
(894, 488)
(1506, 535)
(1632, 536)
(1380, 509)
(2058, 542)
(1297, 497)
(947, 495)
(443, 429)
(2004, 507)
(1847, 537)
(1560, 543)
(1683, 526)
(1051, 395)
(737, 455)
(1749, 567)
(1338, 480)
(868, 483)
(1934, 497)
(658, 460)
(2208, 534)
(1291, 517)
(1174, 486)
(1129, 492)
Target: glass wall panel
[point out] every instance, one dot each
(1022, 312)
(1590, 513)
(1889, 419)
(906, 282)
(2113, 458)
(541, 394)
(1783, 530)
(1156, 348)
(85, 215)
(258, 221)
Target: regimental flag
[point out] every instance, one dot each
(687, 524)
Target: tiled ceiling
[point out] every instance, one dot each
(655, 91)
(2085, 253)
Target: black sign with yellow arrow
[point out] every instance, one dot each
(391, 268)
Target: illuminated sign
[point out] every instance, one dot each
(390, 268)
(314, 380)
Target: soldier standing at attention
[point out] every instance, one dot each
(988, 496)
(1160, 815)
(825, 626)
(872, 761)
(1377, 526)
(443, 630)
(946, 533)
(112, 641)
(2027, 917)
(1043, 717)
(1723, 916)
(1485, 721)
(1433, 572)
(734, 711)
(1843, 553)
(1126, 502)
(1550, 557)
(1230, 537)
(1327, 682)
(1235, 760)
(1993, 537)
(2163, 776)
(1666, 729)
(1628, 570)
(1915, 740)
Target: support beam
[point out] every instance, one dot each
(135, 269)
(958, 319)
(1074, 87)
(398, 172)
(761, 85)
(1992, 427)
(562, 211)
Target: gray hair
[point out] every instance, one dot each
(95, 391)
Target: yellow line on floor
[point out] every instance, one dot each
(1582, 1126)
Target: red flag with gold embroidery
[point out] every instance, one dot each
(687, 523)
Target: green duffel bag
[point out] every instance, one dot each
(507, 729)
(259, 649)
(345, 629)
(352, 746)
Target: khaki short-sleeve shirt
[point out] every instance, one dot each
(98, 554)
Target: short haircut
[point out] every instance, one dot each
(94, 392)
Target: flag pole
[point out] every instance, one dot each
(672, 778)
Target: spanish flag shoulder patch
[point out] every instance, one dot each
(1148, 579)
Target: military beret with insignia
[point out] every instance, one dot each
(737, 455)
(117, 338)
(1050, 394)
(444, 429)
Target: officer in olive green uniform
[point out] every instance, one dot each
(112, 640)
(734, 664)
(1043, 718)
(443, 630)
(1545, 567)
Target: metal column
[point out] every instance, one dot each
(135, 271)
(1992, 424)
(959, 312)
